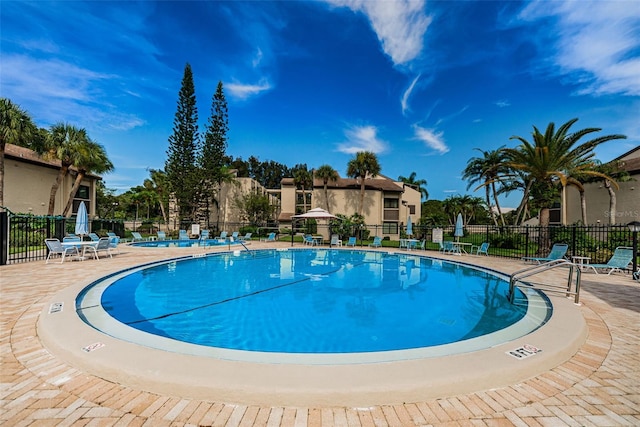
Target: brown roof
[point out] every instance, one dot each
(380, 184)
(29, 156)
(630, 165)
(285, 216)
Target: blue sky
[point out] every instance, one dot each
(419, 83)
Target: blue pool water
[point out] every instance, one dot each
(182, 243)
(311, 301)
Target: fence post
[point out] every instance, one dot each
(4, 237)
(526, 243)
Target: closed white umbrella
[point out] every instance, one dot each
(459, 231)
(82, 220)
(409, 227)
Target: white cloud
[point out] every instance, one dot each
(257, 58)
(407, 93)
(243, 91)
(502, 103)
(597, 43)
(399, 24)
(431, 138)
(362, 138)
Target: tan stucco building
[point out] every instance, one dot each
(28, 179)
(598, 199)
(387, 203)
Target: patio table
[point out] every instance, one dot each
(80, 244)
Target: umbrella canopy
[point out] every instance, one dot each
(82, 220)
(409, 227)
(317, 213)
(459, 231)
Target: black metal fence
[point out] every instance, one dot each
(22, 236)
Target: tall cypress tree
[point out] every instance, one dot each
(180, 166)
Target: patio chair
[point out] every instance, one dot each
(377, 242)
(162, 235)
(351, 242)
(622, 257)
(246, 237)
(403, 244)
(335, 240)
(94, 237)
(309, 240)
(222, 236)
(182, 235)
(234, 236)
(422, 245)
(55, 248)
(113, 242)
(204, 235)
(270, 238)
(103, 245)
(558, 251)
(482, 249)
(135, 237)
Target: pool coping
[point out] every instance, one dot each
(65, 335)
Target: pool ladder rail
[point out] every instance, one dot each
(515, 280)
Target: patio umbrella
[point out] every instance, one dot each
(82, 221)
(317, 213)
(459, 230)
(409, 227)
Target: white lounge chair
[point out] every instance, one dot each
(103, 245)
(335, 240)
(137, 237)
(558, 251)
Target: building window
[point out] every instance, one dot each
(390, 203)
(82, 195)
(412, 209)
(389, 228)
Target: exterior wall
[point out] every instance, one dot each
(27, 187)
(597, 198)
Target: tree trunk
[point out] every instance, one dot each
(545, 244)
(523, 202)
(583, 207)
(326, 196)
(72, 194)
(495, 197)
(612, 202)
(54, 188)
(361, 207)
(487, 195)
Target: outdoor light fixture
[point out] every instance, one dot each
(634, 226)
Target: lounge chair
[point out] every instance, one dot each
(270, 238)
(113, 242)
(234, 236)
(222, 236)
(351, 242)
(482, 249)
(94, 237)
(335, 240)
(622, 257)
(558, 251)
(447, 246)
(246, 237)
(204, 235)
(135, 237)
(182, 235)
(162, 235)
(55, 248)
(103, 245)
(377, 242)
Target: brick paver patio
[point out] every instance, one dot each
(598, 386)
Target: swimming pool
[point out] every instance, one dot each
(182, 243)
(311, 302)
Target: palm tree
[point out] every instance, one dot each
(158, 184)
(63, 144)
(15, 127)
(91, 158)
(547, 159)
(303, 179)
(365, 163)
(326, 173)
(418, 184)
(487, 170)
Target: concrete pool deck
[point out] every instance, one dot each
(597, 384)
